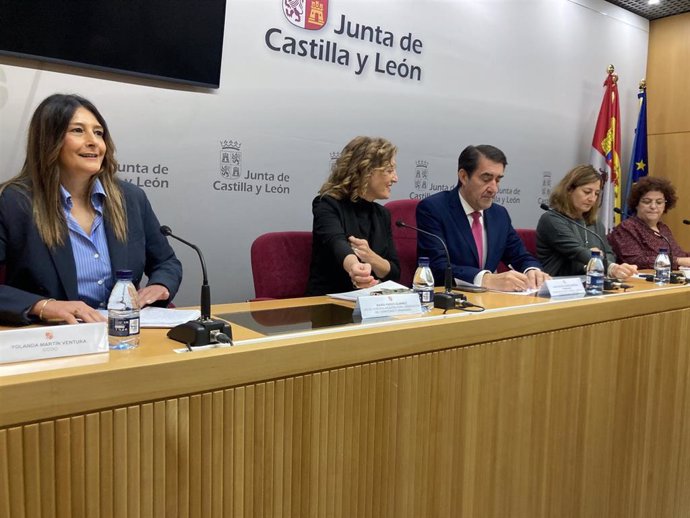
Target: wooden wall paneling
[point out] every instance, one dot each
(217, 447)
(32, 468)
(668, 112)
(106, 462)
(48, 469)
(92, 467)
(63, 476)
(120, 463)
(15, 470)
(158, 453)
(586, 421)
(146, 458)
(669, 156)
(668, 77)
(4, 476)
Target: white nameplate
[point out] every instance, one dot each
(394, 304)
(563, 287)
(39, 343)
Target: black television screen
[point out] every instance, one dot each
(175, 40)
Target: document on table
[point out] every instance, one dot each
(460, 282)
(152, 316)
(383, 286)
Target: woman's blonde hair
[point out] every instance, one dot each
(561, 198)
(39, 177)
(350, 174)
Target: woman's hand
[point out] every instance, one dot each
(68, 311)
(361, 249)
(360, 273)
(623, 271)
(152, 293)
(364, 253)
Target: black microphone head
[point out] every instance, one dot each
(686, 221)
(544, 206)
(618, 210)
(400, 223)
(166, 230)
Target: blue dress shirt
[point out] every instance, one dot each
(91, 256)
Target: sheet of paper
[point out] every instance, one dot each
(152, 316)
(353, 295)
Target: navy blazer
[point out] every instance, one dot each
(34, 272)
(442, 214)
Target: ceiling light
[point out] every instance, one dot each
(654, 2)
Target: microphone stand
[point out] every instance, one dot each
(446, 300)
(205, 330)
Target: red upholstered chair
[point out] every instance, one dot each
(529, 238)
(280, 264)
(405, 239)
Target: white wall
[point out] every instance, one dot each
(525, 75)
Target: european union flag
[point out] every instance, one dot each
(639, 163)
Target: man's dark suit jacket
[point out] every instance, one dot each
(34, 272)
(442, 214)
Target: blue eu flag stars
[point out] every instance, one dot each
(639, 162)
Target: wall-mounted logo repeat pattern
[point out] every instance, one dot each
(237, 180)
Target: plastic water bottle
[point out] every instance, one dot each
(662, 267)
(594, 285)
(423, 284)
(123, 313)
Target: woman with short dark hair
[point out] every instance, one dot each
(67, 223)
(638, 239)
(352, 238)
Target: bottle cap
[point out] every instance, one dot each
(663, 250)
(423, 261)
(123, 275)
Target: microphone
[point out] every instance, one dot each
(205, 330)
(447, 299)
(545, 207)
(686, 222)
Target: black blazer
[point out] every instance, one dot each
(34, 272)
(335, 221)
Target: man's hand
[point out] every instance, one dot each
(535, 278)
(506, 281)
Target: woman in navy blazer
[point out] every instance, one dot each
(67, 224)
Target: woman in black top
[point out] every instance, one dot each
(353, 243)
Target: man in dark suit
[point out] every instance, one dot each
(478, 233)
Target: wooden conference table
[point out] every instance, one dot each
(533, 408)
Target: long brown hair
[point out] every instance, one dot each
(39, 177)
(350, 175)
(578, 176)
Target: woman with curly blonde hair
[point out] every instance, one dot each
(352, 238)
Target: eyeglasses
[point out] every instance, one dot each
(658, 203)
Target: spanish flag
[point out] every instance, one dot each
(606, 151)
